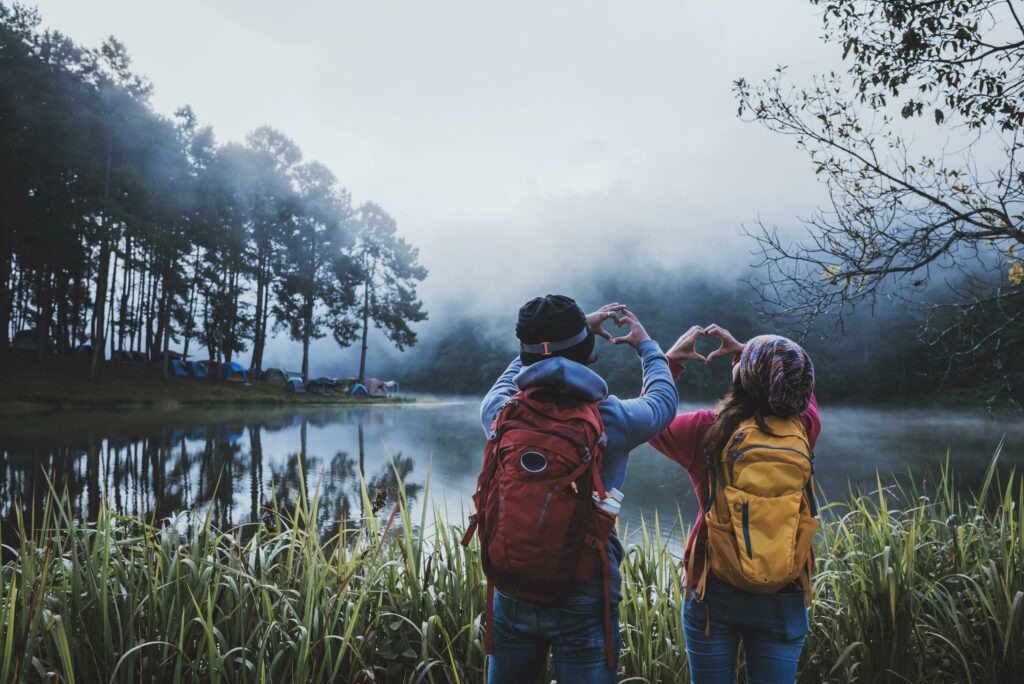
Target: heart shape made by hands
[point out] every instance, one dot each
(717, 351)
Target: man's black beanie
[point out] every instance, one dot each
(552, 319)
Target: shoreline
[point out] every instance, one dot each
(60, 384)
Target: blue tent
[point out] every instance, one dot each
(234, 372)
(359, 390)
(197, 369)
(294, 386)
(177, 367)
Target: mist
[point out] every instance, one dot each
(523, 149)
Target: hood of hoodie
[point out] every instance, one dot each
(565, 376)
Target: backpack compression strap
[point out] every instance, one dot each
(606, 580)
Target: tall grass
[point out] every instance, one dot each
(909, 588)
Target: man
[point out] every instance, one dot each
(556, 345)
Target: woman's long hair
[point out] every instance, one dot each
(735, 407)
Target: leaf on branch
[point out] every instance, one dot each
(1016, 274)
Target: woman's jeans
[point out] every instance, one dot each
(772, 626)
(573, 629)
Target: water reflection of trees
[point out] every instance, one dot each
(218, 468)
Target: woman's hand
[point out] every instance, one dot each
(595, 321)
(636, 335)
(685, 348)
(730, 345)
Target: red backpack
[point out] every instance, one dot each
(540, 531)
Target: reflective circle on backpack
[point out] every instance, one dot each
(533, 461)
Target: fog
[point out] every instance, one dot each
(521, 146)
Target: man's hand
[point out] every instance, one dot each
(595, 321)
(730, 345)
(636, 335)
(685, 348)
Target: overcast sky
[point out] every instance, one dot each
(518, 144)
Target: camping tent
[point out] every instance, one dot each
(274, 376)
(197, 369)
(233, 372)
(28, 340)
(391, 387)
(177, 368)
(376, 387)
(359, 390)
(322, 386)
(171, 355)
(345, 385)
(128, 358)
(295, 386)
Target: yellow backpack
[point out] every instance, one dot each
(761, 511)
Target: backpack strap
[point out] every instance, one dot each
(808, 587)
(812, 500)
(607, 577)
(489, 619)
(690, 561)
(601, 547)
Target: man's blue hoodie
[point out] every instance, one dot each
(627, 423)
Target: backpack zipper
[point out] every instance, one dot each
(746, 527)
(736, 454)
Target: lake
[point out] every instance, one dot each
(231, 462)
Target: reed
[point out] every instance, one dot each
(909, 588)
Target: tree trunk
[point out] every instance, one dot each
(257, 339)
(151, 313)
(43, 301)
(76, 310)
(99, 309)
(166, 324)
(126, 292)
(229, 338)
(266, 321)
(161, 310)
(110, 309)
(366, 328)
(305, 357)
(6, 284)
(190, 307)
(63, 282)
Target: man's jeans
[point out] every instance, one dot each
(573, 629)
(772, 626)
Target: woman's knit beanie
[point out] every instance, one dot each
(778, 372)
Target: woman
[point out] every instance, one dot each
(773, 383)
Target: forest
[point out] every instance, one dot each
(122, 229)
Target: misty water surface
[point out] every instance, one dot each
(231, 463)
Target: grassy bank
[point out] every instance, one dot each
(63, 383)
(909, 588)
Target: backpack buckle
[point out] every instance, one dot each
(586, 454)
